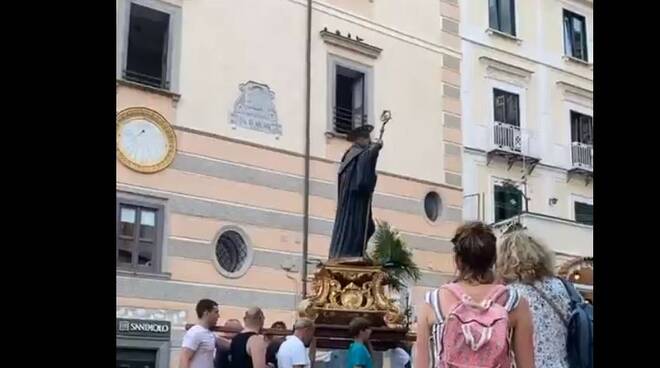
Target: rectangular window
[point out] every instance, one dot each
(139, 238)
(575, 35)
(584, 213)
(350, 100)
(148, 46)
(507, 108)
(582, 128)
(508, 202)
(501, 16)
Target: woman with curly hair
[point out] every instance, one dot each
(526, 266)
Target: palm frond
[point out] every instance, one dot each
(391, 252)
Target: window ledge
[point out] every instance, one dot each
(159, 91)
(330, 134)
(577, 61)
(494, 32)
(347, 42)
(146, 275)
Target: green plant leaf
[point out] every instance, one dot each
(391, 252)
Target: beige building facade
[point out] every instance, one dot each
(211, 148)
(528, 121)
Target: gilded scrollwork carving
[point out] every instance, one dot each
(342, 292)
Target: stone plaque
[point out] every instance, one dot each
(255, 109)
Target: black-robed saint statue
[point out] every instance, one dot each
(356, 182)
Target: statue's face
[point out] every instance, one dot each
(363, 141)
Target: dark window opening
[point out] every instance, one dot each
(138, 237)
(432, 205)
(575, 35)
(502, 16)
(582, 128)
(350, 100)
(508, 202)
(584, 213)
(136, 358)
(507, 108)
(146, 59)
(231, 251)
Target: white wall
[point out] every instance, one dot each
(226, 43)
(544, 100)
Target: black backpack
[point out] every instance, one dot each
(580, 324)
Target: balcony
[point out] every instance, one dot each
(582, 156)
(508, 142)
(344, 120)
(147, 80)
(507, 137)
(582, 165)
(558, 234)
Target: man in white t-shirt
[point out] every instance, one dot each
(293, 352)
(199, 341)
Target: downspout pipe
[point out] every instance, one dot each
(308, 76)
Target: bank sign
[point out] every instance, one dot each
(143, 328)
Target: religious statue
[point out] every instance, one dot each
(348, 285)
(356, 182)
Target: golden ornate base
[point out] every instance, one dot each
(343, 292)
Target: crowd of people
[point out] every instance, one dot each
(505, 308)
(246, 346)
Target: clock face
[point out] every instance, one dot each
(145, 141)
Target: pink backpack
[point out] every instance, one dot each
(474, 335)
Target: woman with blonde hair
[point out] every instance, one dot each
(527, 267)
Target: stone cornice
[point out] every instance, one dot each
(509, 69)
(573, 89)
(355, 45)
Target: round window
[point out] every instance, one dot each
(232, 254)
(432, 205)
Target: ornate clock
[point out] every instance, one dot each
(145, 140)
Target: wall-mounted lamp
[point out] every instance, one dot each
(553, 201)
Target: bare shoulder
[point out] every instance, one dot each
(424, 311)
(257, 339)
(255, 342)
(521, 310)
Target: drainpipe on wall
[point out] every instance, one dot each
(308, 76)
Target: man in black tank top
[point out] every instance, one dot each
(222, 353)
(248, 348)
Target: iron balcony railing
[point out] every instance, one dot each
(582, 155)
(148, 80)
(345, 120)
(507, 137)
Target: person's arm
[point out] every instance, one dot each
(222, 343)
(312, 352)
(523, 335)
(423, 334)
(188, 347)
(256, 348)
(185, 357)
